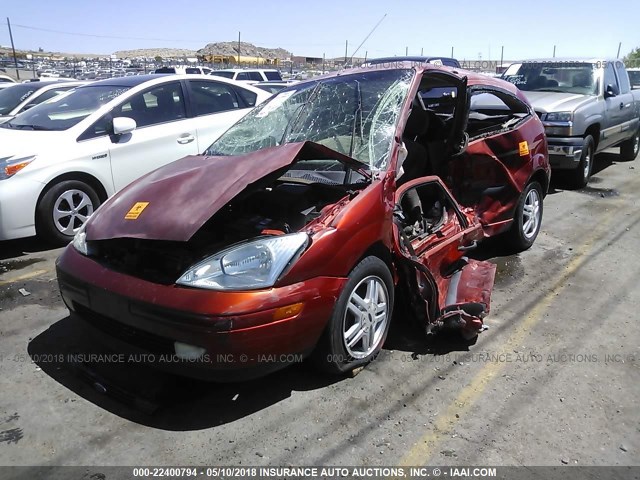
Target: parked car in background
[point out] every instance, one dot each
(60, 160)
(6, 81)
(586, 106)
(249, 75)
(20, 97)
(184, 70)
(433, 60)
(274, 87)
(293, 232)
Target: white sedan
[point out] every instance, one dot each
(20, 97)
(60, 160)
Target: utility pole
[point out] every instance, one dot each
(421, 51)
(554, 51)
(451, 52)
(346, 48)
(619, 46)
(323, 60)
(13, 48)
(501, 56)
(366, 55)
(406, 51)
(238, 49)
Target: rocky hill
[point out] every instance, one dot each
(246, 50)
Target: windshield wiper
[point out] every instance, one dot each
(357, 115)
(27, 127)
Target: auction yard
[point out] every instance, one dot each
(554, 380)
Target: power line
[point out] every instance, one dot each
(117, 37)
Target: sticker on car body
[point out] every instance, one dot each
(136, 210)
(523, 147)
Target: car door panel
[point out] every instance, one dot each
(433, 265)
(164, 134)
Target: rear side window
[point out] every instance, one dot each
(248, 97)
(273, 76)
(255, 76)
(243, 76)
(222, 74)
(212, 97)
(494, 111)
(623, 79)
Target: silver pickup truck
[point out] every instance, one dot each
(585, 106)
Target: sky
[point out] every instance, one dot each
(475, 30)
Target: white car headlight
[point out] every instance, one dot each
(251, 265)
(559, 117)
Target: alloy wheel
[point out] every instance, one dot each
(365, 318)
(531, 213)
(71, 210)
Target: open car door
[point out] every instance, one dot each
(446, 289)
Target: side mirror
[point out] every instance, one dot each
(610, 91)
(123, 125)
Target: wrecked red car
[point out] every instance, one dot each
(291, 235)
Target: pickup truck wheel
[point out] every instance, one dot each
(63, 209)
(580, 176)
(527, 218)
(629, 148)
(360, 320)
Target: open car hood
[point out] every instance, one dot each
(174, 201)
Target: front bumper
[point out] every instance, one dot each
(241, 333)
(18, 199)
(564, 152)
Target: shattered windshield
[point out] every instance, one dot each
(355, 115)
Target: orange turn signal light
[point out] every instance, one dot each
(288, 311)
(15, 168)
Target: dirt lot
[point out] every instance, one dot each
(554, 380)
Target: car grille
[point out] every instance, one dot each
(147, 341)
(156, 261)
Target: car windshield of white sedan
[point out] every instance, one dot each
(549, 76)
(355, 115)
(66, 110)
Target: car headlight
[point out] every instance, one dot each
(9, 166)
(251, 265)
(559, 117)
(79, 241)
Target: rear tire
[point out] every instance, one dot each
(580, 176)
(360, 320)
(629, 148)
(63, 209)
(527, 218)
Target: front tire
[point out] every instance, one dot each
(629, 148)
(63, 209)
(360, 320)
(580, 176)
(527, 218)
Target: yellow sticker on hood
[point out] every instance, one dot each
(136, 210)
(524, 148)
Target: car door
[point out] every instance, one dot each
(440, 279)
(611, 134)
(216, 106)
(630, 123)
(163, 132)
(487, 175)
